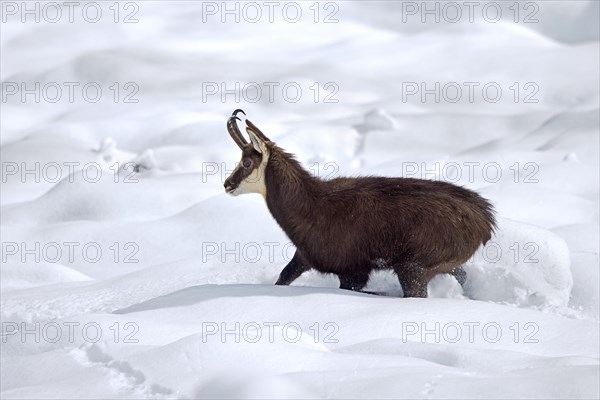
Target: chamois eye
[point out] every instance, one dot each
(246, 163)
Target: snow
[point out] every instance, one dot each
(179, 302)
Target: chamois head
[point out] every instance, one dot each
(249, 176)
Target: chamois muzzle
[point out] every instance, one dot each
(230, 185)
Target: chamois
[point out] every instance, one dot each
(351, 226)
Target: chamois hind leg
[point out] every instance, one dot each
(413, 279)
(296, 267)
(355, 281)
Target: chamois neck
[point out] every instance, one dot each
(292, 192)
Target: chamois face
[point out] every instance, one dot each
(249, 176)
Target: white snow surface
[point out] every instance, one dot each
(181, 303)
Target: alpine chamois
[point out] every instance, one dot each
(351, 226)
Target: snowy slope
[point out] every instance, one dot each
(153, 283)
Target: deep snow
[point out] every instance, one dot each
(181, 304)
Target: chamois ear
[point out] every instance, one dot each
(257, 142)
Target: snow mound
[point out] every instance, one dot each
(22, 276)
(81, 197)
(522, 265)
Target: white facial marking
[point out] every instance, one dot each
(255, 182)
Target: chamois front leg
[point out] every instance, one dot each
(296, 267)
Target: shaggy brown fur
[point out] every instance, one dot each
(351, 226)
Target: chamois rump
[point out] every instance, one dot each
(351, 226)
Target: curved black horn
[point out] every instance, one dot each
(234, 131)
